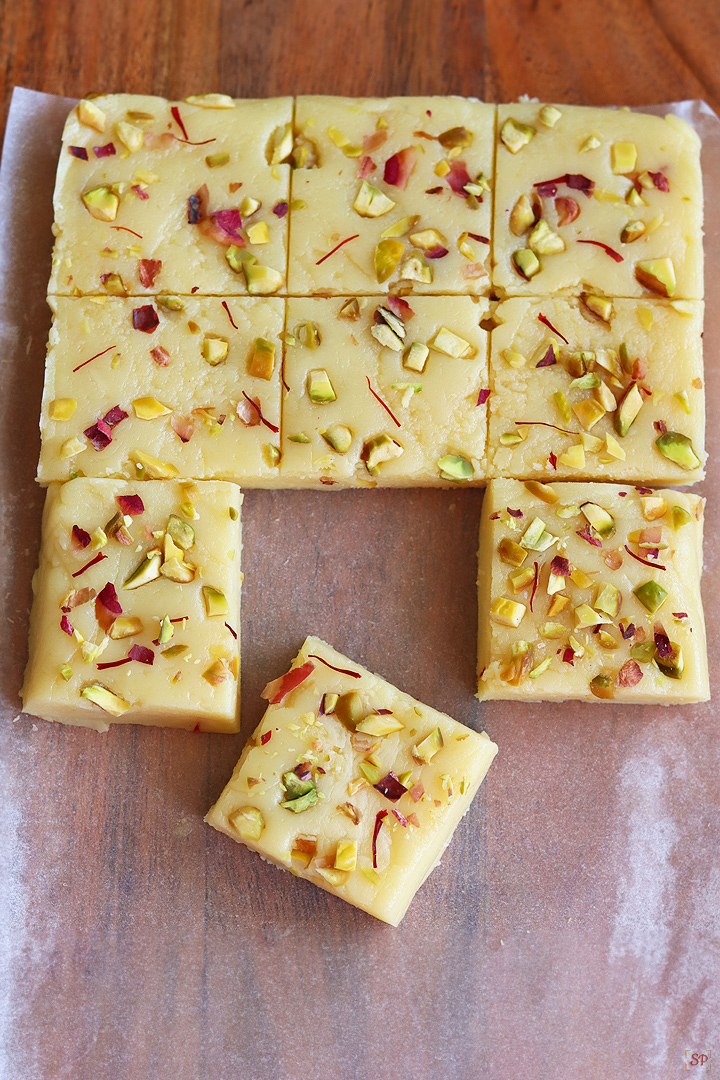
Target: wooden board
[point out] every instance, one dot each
(571, 930)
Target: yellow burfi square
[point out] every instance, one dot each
(384, 391)
(409, 179)
(592, 592)
(136, 617)
(351, 783)
(620, 398)
(602, 201)
(201, 389)
(139, 218)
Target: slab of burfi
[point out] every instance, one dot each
(402, 184)
(591, 591)
(614, 399)
(597, 200)
(351, 783)
(139, 217)
(136, 616)
(197, 395)
(384, 391)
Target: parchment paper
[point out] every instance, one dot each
(572, 930)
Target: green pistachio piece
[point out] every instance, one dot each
(511, 553)
(515, 135)
(651, 595)
(602, 686)
(657, 275)
(644, 652)
(455, 467)
(370, 202)
(680, 517)
(247, 822)
(526, 263)
(371, 772)
(533, 534)
(171, 303)
(236, 257)
(261, 280)
(588, 412)
(426, 750)
(379, 449)
(294, 786)
(339, 437)
(214, 161)
(261, 362)
(349, 708)
(671, 665)
(457, 136)
(444, 341)
(544, 241)
(628, 408)
(549, 116)
(301, 437)
(598, 305)
(148, 570)
(563, 406)
(304, 802)
(678, 448)
(320, 389)
(214, 349)
(101, 202)
(416, 356)
(215, 601)
(632, 231)
(387, 256)
(589, 381)
(522, 216)
(180, 532)
(602, 522)
(100, 695)
(414, 268)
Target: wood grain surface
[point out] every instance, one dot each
(572, 929)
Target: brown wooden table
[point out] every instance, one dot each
(572, 930)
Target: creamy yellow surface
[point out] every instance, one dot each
(329, 189)
(173, 692)
(441, 418)
(664, 338)
(672, 219)
(681, 558)
(168, 172)
(196, 393)
(297, 733)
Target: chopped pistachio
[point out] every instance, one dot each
(379, 449)
(657, 275)
(171, 303)
(544, 241)
(515, 135)
(680, 517)
(320, 389)
(386, 336)
(428, 239)
(514, 358)
(601, 520)
(448, 343)
(247, 822)
(62, 408)
(602, 686)
(653, 507)
(300, 437)
(148, 570)
(125, 626)
(151, 468)
(101, 202)
(261, 362)
(628, 409)
(455, 467)
(370, 202)
(522, 216)
(563, 406)
(258, 233)
(587, 616)
(400, 228)
(672, 665)
(91, 115)
(623, 157)
(415, 356)
(549, 116)
(533, 535)
(512, 553)
(426, 750)
(339, 437)
(215, 161)
(371, 772)
(215, 601)
(507, 612)
(149, 408)
(540, 668)
(100, 695)
(613, 447)
(598, 305)
(632, 231)
(414, 268)
(591, 143)
(526, 262)
(651, 595)
(678, 448)
(346, 855)
(608, 599)
(542, 491)
(387, 256)
(260, 280)
(379, 724)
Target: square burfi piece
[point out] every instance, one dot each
(615, 399)
(384, 391)
(398, 189)
(597, 201)
(591, 592)
(140, 390)
(136, 616)
(154, 196)
(351, 783)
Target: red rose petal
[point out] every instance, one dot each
(145, 318)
